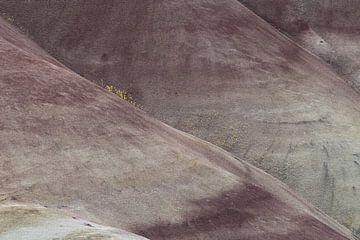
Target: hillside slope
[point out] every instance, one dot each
(68, 144)
(217, 71)
(330, 29)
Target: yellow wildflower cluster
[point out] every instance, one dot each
(122, 94)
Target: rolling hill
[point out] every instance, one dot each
(68, 144)
(217, 71)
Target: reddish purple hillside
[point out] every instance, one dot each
(68, 144)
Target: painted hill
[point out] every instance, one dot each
(217, 71)
(68, 144)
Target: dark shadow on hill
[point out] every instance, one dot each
(233, 214)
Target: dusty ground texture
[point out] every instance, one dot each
(217, 71)
(68, 144)
(330, 29)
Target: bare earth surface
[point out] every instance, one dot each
(217, 71)
(70, 145)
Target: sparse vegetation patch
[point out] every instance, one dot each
(122, 94)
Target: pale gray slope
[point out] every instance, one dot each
(32, 222)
